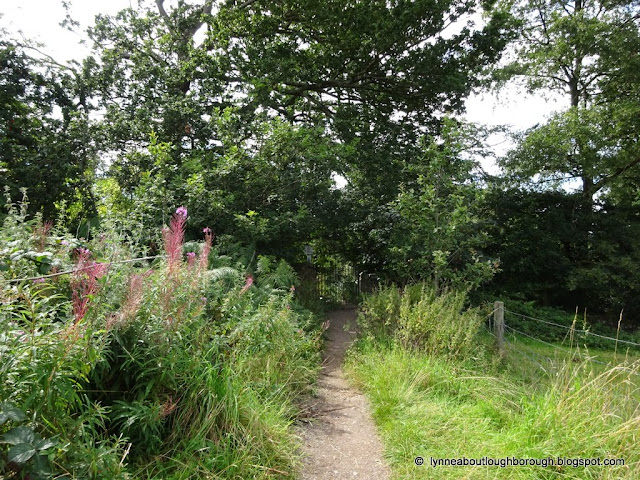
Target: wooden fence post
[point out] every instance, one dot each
(498, 326)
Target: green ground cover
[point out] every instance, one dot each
(537, 403)
(185, 368)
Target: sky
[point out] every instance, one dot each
(40, 19)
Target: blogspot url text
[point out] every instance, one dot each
(520, 462)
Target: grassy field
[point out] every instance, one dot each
(539, 402)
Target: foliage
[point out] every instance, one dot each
(433, 407)
(570, 328)
(439, 232)
(556, 252)
(106, 371)
(28, 452)
(255, 106)
(46, 139)
(379, 313)
(272, 193)
(584, 50)
(422, 319)
(593, 145)
(351, 63)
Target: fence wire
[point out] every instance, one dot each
(563, 349)
(577, 330)
(66, 272)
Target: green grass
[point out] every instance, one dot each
(173, 372)
(534, 361)
(436, 408)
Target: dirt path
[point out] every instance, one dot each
(340, 440)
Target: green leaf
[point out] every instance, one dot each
(18, 435)
(10, 412)
(44, 268)
(21, 453)
(17, 255)
(45, 443)
(41, 466)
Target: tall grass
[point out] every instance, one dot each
(421, 319)
(444, 406)
(166, 371)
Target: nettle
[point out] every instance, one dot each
(27, 453)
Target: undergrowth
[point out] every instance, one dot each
(170, 369)
(444, 406)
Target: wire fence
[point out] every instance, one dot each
(509, 320)
(576, 330)
(74, 270)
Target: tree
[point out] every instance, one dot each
(539, 239)
(364, 79)
(46, 139)
(306, 61)
(587, 51)
(597, 145)
(439, 235)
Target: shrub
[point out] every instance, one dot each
(175, 371)
(421, 319)
(379, 313)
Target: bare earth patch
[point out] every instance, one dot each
(340, 440)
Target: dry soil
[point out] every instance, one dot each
(340, 440)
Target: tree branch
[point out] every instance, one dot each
(604, 180)
(163, 13)
(206, 10)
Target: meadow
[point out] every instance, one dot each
(454, 397)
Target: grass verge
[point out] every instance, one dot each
(438, 407)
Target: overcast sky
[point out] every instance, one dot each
(40, 19)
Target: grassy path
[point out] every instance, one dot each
(340, 439)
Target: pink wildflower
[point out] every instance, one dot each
(84, 282)
(174, 237)
(191, 258)
(247, 284)
(133, 299)
(206, 248)
(39, 280)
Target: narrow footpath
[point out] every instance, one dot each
(340, 440)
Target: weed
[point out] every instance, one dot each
(423, 320)
(174, 371)
(451, 406)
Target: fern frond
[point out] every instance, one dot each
(221, 273)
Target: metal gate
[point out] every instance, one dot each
(338, 283)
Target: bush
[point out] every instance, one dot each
(177, 371)
(423, 320)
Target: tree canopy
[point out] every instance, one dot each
(246, 112)
(46, 141)
(587, 51)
